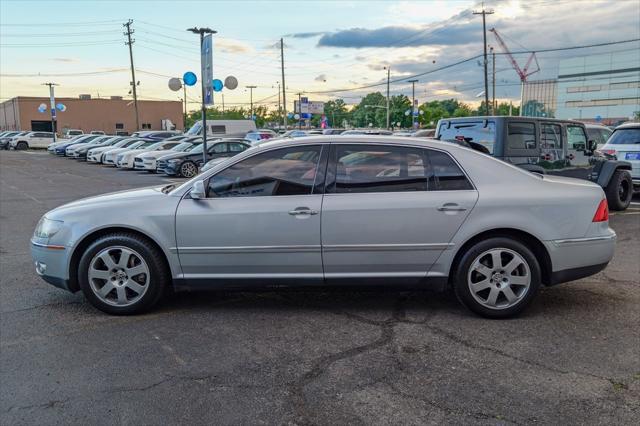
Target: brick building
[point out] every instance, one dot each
(114, 115)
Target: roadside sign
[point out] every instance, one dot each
(206, 59)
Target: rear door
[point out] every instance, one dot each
(578, 154)
(390, 210)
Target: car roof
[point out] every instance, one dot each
(632, 125)
(509, 117)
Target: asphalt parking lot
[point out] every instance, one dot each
(303, 357)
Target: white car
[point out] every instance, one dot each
(71, 150)
(94, 155)
(147, 160)
(109, 157)
(124, 160)
(32, 140)
(624, 145)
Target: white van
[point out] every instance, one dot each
(224, 128)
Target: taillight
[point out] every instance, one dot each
(602, 212)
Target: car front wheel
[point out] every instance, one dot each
(22, 145)
(188, 169)
(497, 277)
(123, 274)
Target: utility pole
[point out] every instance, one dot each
(493, 81)
(52, 103)
(388, 78)
(413, 103)
(202, 32)
(484, 14)
(284, 95)
(251, 97)
(129, 43)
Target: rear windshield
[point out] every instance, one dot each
(625, 137)
(470, 131)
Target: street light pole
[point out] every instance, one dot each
(413, 103)
(202, 32)
(388, 78)
(251, 97)
(52, 103)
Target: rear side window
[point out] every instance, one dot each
(471, 131)
(219, 129)
(448, 175)
(521, 135)
(376, 168)
(550, 137)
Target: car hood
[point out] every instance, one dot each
(117, 150)
(134, 152)
(154, 154)
(136, 197)
(176, 155)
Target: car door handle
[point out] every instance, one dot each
(451, 207)
(302, 211)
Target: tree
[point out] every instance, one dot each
(370, 110)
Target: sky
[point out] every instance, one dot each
(332, 48)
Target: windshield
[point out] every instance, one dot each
(137, 144)
(147, 144)
(195, 129)
(629, 136)
(156, 145)
(469, 131)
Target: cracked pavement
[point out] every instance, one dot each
(303, 357)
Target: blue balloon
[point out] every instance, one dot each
(189, 78)
(61, 107)
(217, 85)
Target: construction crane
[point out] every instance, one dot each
(523, 73)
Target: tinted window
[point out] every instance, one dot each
(576, 138)
(625, 137)
(373, 168)
(469, 131)
(288, 171)
(448, 174)
(218, 148)
(219, 129)
(551, 137)
(521, 135)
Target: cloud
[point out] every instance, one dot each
(304, 35)
(321, 78)
(65, 60)
(228, 45)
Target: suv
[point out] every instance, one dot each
(543, 145)
(599, 134)
(624, 144)
(32, 140)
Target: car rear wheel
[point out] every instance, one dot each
(123, 274)
(22, 145)
(188, 169)
(620, 190)
(497, 277)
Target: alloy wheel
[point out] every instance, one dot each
(499, 278)
(119, 276)
(188, 170)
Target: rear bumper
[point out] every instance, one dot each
(576, 258)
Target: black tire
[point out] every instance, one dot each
(461, 272)
(22, 145)
(188, 169)
(159, 280)
(620, 190)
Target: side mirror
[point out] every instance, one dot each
(197, 190)
(592, 145)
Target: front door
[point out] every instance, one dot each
(260, 220)
(390, 211)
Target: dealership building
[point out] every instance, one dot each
(114, 115)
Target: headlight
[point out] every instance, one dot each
(174, 161)
(47, 228)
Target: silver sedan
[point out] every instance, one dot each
(334, 210)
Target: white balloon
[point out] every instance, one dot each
(231, 82)
(175, 84)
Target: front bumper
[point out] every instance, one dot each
(576, 258)
(51, 263)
